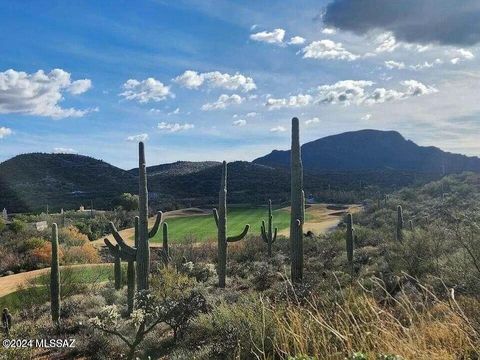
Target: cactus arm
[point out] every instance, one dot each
(125, 255)
(136, 230)
(128, 250)
(240, 236)
(156, 226)
(215, 216)
(274, 235)
(263, 232)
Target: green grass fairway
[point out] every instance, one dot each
(202, 227)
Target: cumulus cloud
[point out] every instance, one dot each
(272, 37)
(386, 43)
(278, 129)
(414, 21)
(327, 49)
(40, 93)
(328, 31)
(240, 122)
(4, 132)
(366, 117)
(394, 64)
(293, 101)
(146, 90)
(223, 101)
(345, 92)
(314, 120)
(62, 150)
(296, 40)
(352, 92)
(80, 86)
(251, 114)
(138, 138)
(174, 127)
(215, 79)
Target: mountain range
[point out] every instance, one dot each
(336, 168)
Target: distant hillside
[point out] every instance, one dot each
(30, 182)
(177, 168)
(372, 150)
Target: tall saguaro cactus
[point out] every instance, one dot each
(55, 277)
(400, 223)
(268, 235)
(297, 213)
(141, 252)
(349, 241)
(220, 217)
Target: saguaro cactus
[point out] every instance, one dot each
(55, 277)
(297, 213)
(220, 217)
(350, 241)
(410, 224)
(400, 223)
(165, 251)
(117, 268)
(140, 253)
(268, 235)
(6, 321)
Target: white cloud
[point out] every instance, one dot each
(272, 37)
(296, 40)
(251, 114)
(366, 117)
(138, 138)
(329, 31)
(174, 127)
(314, 120)
(62, 150)
(278, 129)
(345, 92)
(292, 101)
(4, 132)
(80, 86)
(394, 64)
(39, 93)
(460, 55)
(240, 122)
(352, 92)
(386, 43)
(426, 65)
(223, 101)
(327, 49)
(174, 112)
(215, 79)
(146, 90)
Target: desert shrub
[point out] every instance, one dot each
(43, 254)
(84, 254)
(17, 226)
(71, 236)
(242, 329)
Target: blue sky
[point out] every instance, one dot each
(214, 80)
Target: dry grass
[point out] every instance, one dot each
(414, 327)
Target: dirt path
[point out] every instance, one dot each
(322, 219)
(11, 283)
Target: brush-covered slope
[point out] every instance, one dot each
(30, 182)
(372, 150)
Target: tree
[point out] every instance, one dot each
(128, 202)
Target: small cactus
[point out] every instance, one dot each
(410, 225)
(297, 213)
(350, 241)
(220, 217)
(268, 235)
(165, 251)
(6, 321)
(400, 223)
(55, 278)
